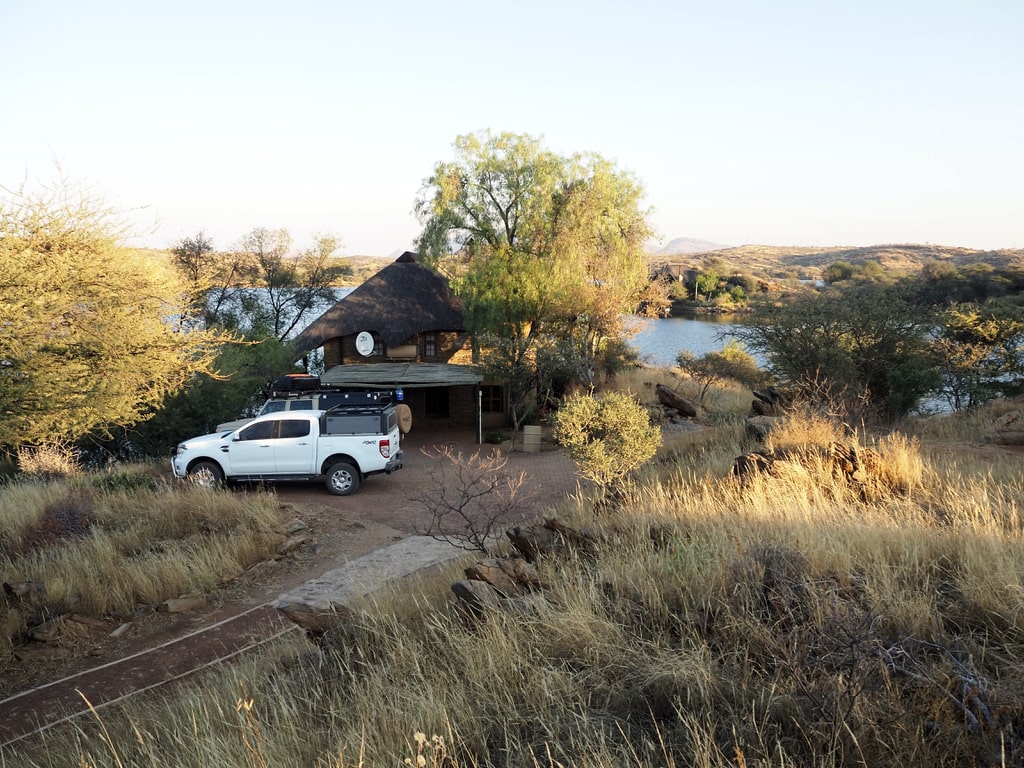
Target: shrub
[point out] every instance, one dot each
(49, 461)
(608, 436)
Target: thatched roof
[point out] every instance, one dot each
(401, 300)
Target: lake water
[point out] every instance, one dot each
(659, 341)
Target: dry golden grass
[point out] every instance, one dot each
(109, 545)
(786, 619)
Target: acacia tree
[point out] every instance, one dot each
(978, 354)
(283, 291)
(90, 332)
(863, 344)
(536, 245)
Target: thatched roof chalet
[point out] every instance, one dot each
(416, 322)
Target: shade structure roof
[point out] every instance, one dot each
(405, 375)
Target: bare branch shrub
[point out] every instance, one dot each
(51, 461)
(468, 496)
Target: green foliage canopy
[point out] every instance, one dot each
(536, 244)
(733, 362)
(865, 343)
(90, 331)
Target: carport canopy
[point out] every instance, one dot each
(404, 375)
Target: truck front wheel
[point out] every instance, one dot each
(206, 474)
(342, 479)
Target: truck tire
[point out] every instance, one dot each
(404, 414)
(206, 474)
(342, 479)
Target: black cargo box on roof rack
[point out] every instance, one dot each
(295, 382)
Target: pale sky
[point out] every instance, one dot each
(779, 122)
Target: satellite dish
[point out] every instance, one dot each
(364, 343)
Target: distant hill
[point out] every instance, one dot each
(365, 267)
(685, 245)
(807, 262)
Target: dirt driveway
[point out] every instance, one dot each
(385, 509)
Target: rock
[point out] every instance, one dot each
(295, 526)
(759, 427)
(480, 598)
(292, 542)
(533, 541)
(670, 399)
(316, 621)
(477, 596)
(770, 402)
(550, 537)
(182, 604)
(509, 576)
(755, 462)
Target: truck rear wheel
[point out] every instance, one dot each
(206, 474)
(342, 479)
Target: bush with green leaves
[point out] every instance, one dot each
(866, 343)
(607, 436)
(732, 363)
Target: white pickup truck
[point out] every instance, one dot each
(342, 446)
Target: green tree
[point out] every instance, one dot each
(536, 245)
(237, 390)
(978, 354)
(733, 363)
(862, 343)
(608, 437)
(706, 283)
(90, 331)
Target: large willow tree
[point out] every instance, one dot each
(90, 331)
(542, 249)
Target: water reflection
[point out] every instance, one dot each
(659, 341)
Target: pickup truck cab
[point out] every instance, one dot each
(341, 446)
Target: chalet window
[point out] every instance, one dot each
(378, 347)
(435, 401)
(430, 344)
(492, 398)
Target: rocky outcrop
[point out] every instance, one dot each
(770, 402)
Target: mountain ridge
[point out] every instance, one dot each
(809, 261)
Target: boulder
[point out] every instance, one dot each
(759, 427)
(511, 577)
(770, 402)
(670, 399)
